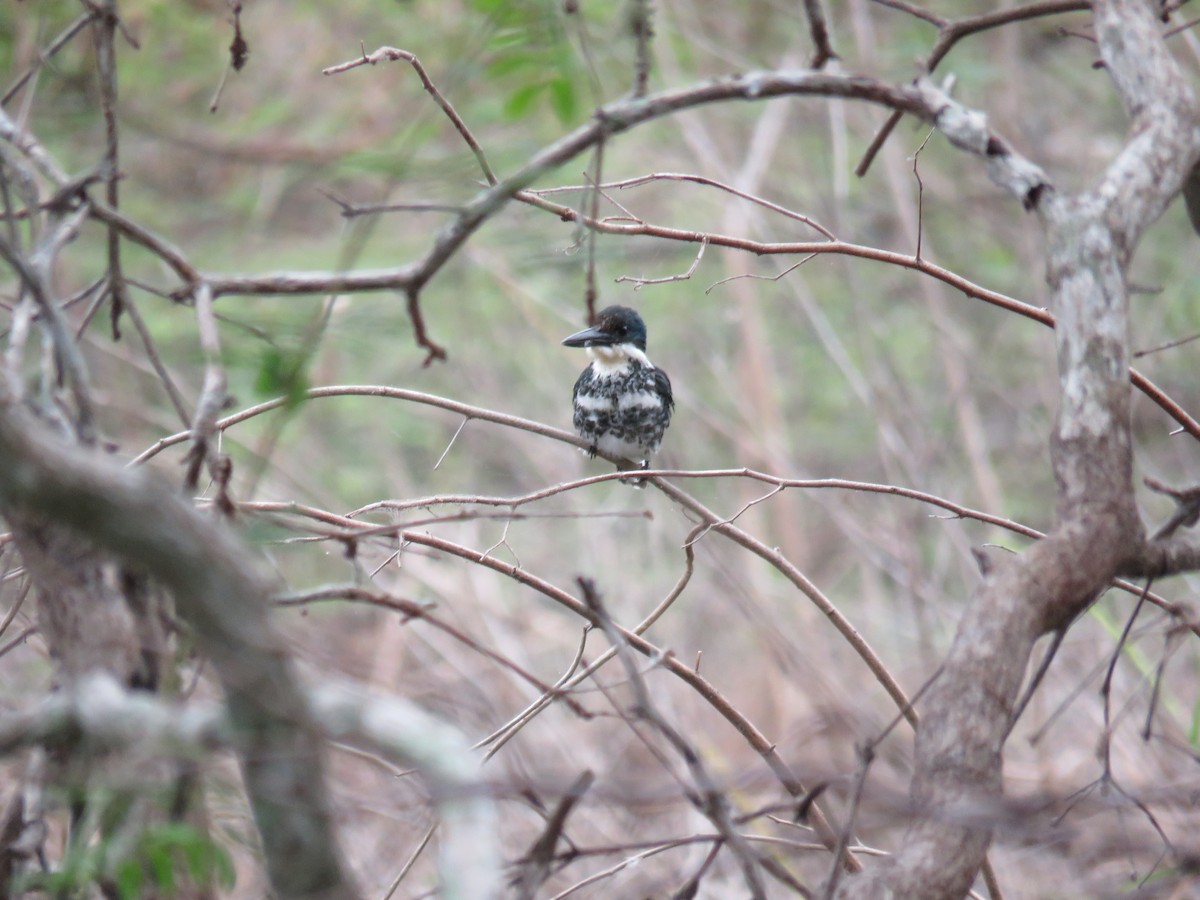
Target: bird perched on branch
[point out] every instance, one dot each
(622, 401)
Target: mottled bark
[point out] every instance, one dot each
(214, 582)
(1090, 239)
(81, 610)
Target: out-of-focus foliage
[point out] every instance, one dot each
(839, 369)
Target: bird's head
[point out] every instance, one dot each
(618, 331)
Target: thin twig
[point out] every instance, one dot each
(950, 32)
(710, 799)
(104, 40)
(822, 47)
(155, 359)
(696, 179)
(393, 53)
(410, 862)
(43, 57)
(532, 427)
(639, 283)
(920, 193)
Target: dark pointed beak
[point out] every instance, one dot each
(589, 337)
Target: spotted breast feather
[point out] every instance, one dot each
(622, 401)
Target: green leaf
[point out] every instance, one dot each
(520, 101)
(281, 373)
(511, 62)
(129, 879)
(159, 858)
(564, 99)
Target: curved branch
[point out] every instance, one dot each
(220, 592)
(116, 720)
(510, 421)
(1090, 239)
(950, 32)
(964, 128)
(843, 248)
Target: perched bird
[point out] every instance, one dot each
(622, 401)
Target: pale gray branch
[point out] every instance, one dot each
(116, 720)
(219, 591)
(1090, 239)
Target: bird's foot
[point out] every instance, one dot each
(638, 483)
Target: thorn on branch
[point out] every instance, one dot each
(433, 350)
(806, 802)
(1187, 507)
(353, 210)
(819, 31)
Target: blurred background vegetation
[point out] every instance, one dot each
(842, 368)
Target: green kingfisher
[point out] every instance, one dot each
(622, 401)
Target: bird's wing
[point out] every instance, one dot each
(662, 386)
(584, 377)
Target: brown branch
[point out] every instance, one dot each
(950, 32)
(946, 276)
(410, 609)
(44, 56)
(528, 425)
(104, 39)
(708, 798)
(963, 128)
(142, 236)
(1090, 239)
(704, 688)
(823, 50)
(219, 591)
(392, 53)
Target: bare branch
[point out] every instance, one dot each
(528, 425)
(1090, 239)
(104, 38)
(823, 50)
(392, 53)
(114, 719)
(44, 56)
(709, 798)
(639, 283)
(950, 32)
(212, 395)
(218, 590)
